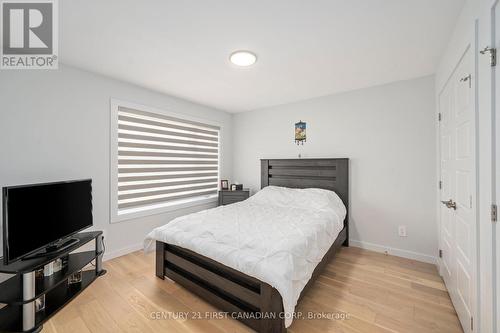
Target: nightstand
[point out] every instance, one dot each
(227, 197)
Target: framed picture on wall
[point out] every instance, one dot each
(224, 184)
(300, 132)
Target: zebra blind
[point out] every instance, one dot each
(163, 160)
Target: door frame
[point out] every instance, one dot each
(489, 295)
(468, 44)
(495, 160)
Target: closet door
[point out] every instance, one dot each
(458, 194)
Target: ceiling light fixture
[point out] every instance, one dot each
(243, 58)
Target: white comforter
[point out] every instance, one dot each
(278, 236)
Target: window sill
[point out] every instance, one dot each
(161, 209)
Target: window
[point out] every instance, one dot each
(160, 161)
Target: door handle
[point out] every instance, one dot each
(493, 55)
(450, 204)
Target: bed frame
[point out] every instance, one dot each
(254, 302)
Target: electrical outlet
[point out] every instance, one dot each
(402, 231)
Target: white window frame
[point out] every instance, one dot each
(113, 176)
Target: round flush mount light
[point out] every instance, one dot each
(243, 58)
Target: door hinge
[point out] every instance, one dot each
(440, 253)
(467, 78)
(440, 184)
(471, 324)
(493, 55)
(494, 213)
(439, 116)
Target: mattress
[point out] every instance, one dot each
(278, 236)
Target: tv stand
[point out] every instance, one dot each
(21, 291)
(52, 249)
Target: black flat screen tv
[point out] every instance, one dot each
(40, 215)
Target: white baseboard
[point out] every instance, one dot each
(123, 251)
(393, 251)
(363, 245)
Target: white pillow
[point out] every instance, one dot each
(309, 198)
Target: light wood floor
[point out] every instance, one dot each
(379, 293)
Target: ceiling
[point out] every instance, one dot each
(305, 48)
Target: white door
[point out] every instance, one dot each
(447, 225)
(458, 176)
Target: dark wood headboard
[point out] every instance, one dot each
(326, 173)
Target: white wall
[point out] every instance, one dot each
(386, 131)
(54, 125)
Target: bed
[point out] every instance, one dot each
(247, 297)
